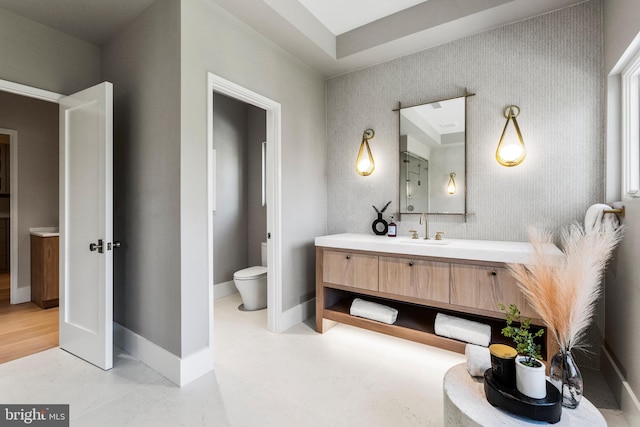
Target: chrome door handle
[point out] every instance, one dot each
(115, 244)
(93, 246)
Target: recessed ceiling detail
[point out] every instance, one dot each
(340, 16)
(330, 36)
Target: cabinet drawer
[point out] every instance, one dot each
(348, 269)
(486, 287)
(426, 280)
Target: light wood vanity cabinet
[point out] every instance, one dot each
(419, 287)
(483, 288)
(416, 278)
(349, 269)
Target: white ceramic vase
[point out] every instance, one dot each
(531, 381)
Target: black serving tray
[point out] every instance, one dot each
(511, 400)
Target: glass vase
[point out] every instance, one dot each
(565, 375)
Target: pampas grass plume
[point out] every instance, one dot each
(564, 289)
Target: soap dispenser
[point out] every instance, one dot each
(392, 228)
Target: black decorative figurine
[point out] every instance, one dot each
(380, 226)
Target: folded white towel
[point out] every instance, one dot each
(595, 220)
(373, 311)
(462, 329)
(478, 359)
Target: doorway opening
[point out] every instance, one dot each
(272, 189)
(240, 216)
(28, 324)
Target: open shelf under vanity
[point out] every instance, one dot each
(415, 322)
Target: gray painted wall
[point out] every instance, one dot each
(143, 62)
(215, 41)
(622, 289)
(231, 216)
(550, 66)
(37, 56)
(37, 125)
(161, 292)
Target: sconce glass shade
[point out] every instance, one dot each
(511, 151)
(364, 163)
(451, 187)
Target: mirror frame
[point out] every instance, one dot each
(401, 107)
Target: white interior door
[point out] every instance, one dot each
(86, 224)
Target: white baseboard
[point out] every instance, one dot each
(21, 295)
(618, 384)
(224, 289)
(297, 314)
(179, 371)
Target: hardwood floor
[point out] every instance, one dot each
(24, 328)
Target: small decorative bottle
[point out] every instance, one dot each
(392, 228)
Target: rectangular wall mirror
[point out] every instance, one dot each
(433, 157)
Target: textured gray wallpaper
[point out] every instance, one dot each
(550, 66)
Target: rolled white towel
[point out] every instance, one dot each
(595, 220)
(373, 311)
(462, 329)
(478, 359)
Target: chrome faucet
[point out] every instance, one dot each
(424, 217)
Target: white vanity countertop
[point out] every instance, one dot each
(478, 250)
(44, 231)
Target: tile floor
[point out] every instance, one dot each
(344, 377)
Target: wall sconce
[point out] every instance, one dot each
(364, 163)
(451, 187)
(511, 151)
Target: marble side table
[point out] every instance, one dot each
(465, 404)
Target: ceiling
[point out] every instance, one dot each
(340, 16)
(331, 36)
(95, 21)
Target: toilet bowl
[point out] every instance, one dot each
(252, 284)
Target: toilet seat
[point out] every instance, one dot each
(250, 273)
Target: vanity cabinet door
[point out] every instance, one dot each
(485, 287)
(350, 269)
(415, 278)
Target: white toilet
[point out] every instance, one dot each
(252, 284)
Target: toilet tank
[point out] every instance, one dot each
(263, 253)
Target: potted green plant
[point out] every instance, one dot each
(530, 371)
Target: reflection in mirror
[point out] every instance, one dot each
(432, 148)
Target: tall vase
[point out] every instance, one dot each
(565, 375)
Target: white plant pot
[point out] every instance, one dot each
(531, 381)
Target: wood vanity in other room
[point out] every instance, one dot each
(462, 278)
(5, 246)
(45, 244)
